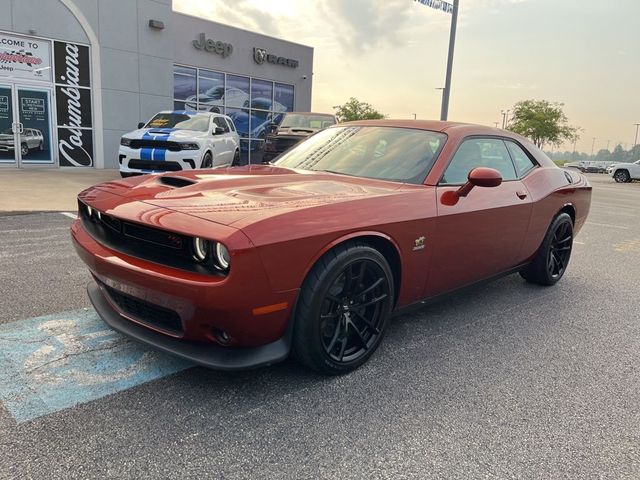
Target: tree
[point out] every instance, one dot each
(542, 122)
(354, 109)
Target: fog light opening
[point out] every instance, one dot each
(221, 336)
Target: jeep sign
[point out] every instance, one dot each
(213, 46)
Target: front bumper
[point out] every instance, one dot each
(208, 355)
(147, 160)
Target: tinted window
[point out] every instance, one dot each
(386, 153)
(219, 121)
(520, 159)
(479, 152)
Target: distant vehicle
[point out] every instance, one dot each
(30, 139)
(179, 140)
(576, 165)
(214, 98)
(294, 127)
(625, 172)
(255, 125)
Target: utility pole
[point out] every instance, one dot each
(444, 113)
(636, 140)
(414, 116)
(575, 140)
(593, 144)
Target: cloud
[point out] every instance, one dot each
(364, 24)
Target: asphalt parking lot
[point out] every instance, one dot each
(507, 380)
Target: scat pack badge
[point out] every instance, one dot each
(418, 243)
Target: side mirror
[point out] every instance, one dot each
(141, 125)
(217, 130)
(478, 177)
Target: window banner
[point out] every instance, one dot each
(73, 104)
(25, 57)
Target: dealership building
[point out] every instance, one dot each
(75, 75)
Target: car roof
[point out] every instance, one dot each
(193, 113)
(313, 113)
(450, 128)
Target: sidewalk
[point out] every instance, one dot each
(42, 189)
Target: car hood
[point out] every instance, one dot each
(170, 134)
(241, 195)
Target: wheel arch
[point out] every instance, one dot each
(569, 209)
(381, 242)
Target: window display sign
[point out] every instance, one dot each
(25, 57)
(73, 104)
(35, 120)
(6, 133)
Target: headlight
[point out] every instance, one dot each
(125, 142)
(190, 146)
(200, 249)
(223, 259)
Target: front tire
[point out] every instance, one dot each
(552, 259)
(343, 309)
(622, 176)
(207, 161)
(24, 149)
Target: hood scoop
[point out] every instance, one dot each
(175, 182)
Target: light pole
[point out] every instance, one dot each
(414, 116)
(496, 124)
(444, 113)
(635, 142)
(575, 140)
(608, 143)
(505, 118)
(593, 144)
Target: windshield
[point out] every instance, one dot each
(180, 121)
(386, 153)
(297, 120)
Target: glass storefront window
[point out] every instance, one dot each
(252, 103)
(284, 96)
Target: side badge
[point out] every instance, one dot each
(419, 244)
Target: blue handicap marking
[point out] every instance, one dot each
(57, 361)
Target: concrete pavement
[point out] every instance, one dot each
(46, 190)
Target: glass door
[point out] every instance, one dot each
(34, 135)
(8, 128)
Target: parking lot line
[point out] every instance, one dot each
(607, 225)
(69, 214)
(55, 362)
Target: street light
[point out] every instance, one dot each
(444, 113)
(593, 144)
(636, 140)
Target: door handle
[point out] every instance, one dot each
(521, 195)
(21, 127)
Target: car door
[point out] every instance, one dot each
(481, 235)
(222, 151)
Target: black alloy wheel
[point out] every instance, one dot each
(622, 176)
(207, 161)
(352, 311)
(560, 250)
(552, 259)
(343, 309)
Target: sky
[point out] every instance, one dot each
(392, 54)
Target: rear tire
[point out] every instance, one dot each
(236, 159)
(622, 176)
(552, 258)
(343, 309)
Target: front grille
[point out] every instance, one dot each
(283, 144)
(160, 144)
(154, 165)
(145, 312)
(153, 244)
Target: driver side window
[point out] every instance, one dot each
(479, 152)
